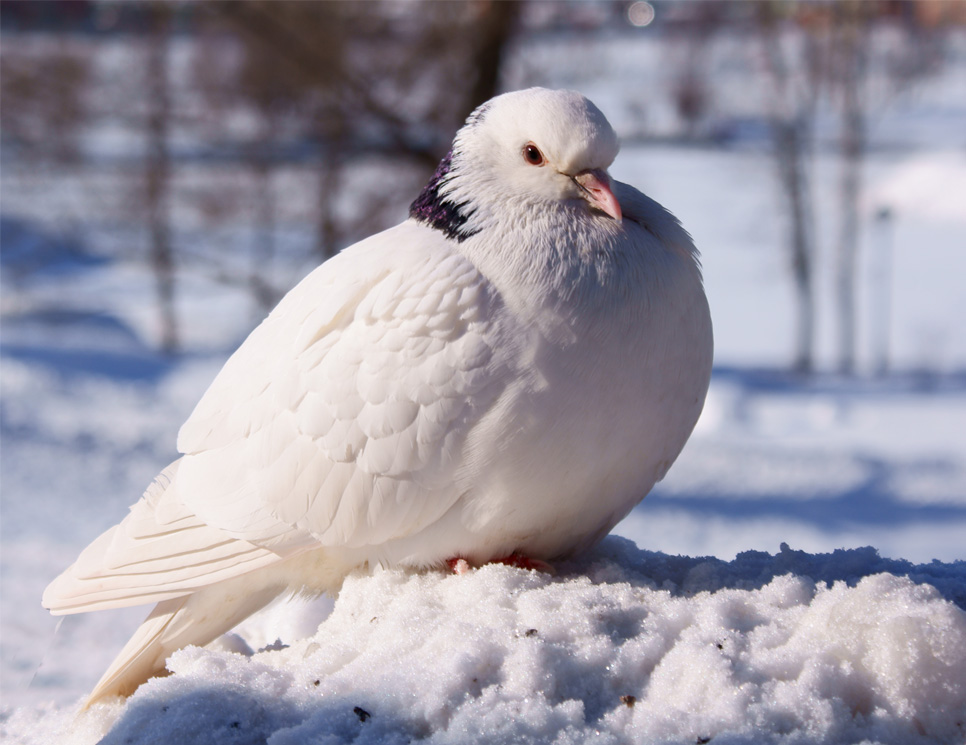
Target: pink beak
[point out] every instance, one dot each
(597, 189)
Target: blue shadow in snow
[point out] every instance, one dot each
(239, 714)
(58, 336)
(828, 513)
(687, 575)
(752, 380)
(70, 343)
(30, 253)
(872, 501)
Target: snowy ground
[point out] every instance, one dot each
(622, 646)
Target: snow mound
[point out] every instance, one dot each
(621, 646)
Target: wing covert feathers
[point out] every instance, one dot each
(339, 422)
(158, 552)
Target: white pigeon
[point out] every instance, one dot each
(503, 376)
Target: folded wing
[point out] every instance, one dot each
(338, 423)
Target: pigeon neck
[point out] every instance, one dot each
(439, 212)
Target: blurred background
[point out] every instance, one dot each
(168, 170)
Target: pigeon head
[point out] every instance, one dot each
(534, 149)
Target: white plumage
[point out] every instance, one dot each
(509, 371)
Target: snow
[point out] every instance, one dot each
(621, 646)
(930, 186)
(714, 630)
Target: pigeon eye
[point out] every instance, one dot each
(532, 154)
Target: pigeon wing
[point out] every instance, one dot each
(338, 423)
(340, 420)
(159, 551)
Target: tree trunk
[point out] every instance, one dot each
(496, 29)
(263, 253)
(792, 112)
(158, 176)
(851, 66)
(791, 156)
(329, 171)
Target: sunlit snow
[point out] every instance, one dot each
(620, 646)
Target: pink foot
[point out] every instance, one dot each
(525, 562)
(459, 565)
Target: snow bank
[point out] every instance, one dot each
(621, 646)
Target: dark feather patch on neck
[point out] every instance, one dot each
(439, 212)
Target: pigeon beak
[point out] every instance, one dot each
(597, 190)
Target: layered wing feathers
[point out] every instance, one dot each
(337, 423)
(159, 551)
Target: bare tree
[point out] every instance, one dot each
(849, 50)
(358, 80)
(363, 96)
(232, 75)
(690, 51)
(496, 25)
(43, 101)
(793, 93)
(157, 174)
(912, 53)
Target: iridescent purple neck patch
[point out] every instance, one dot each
(438, 211)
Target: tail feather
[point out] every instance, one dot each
(203, 580)
(143, 656)
(195, 619)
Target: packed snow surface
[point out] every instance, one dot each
(621, 646)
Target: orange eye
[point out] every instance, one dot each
(532, 154)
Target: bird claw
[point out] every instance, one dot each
(525, 562)
(459, 565)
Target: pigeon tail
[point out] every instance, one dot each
(201, 617)
(195, 619)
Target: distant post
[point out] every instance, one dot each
(880, 289)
